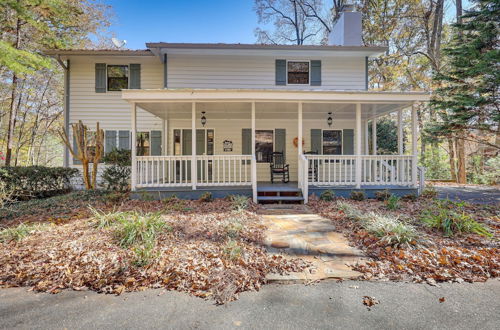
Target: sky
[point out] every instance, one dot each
(209, 21)
(227, 21)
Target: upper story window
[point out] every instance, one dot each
(117, 77)
(298, 73)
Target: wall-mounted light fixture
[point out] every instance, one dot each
(203, 118)
(329, 120)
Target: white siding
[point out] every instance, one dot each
(108, 108)
(338, 73)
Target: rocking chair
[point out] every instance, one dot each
(279, 168)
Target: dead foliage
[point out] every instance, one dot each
(192, 256)
(430, 259)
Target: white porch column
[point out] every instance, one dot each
(299, 136)
(414, 151)
(357, 144)
(400, 132)
(194, 172)
(367, 147)
(253, 163)
(374, 136)
(164, 133)
(134, 146)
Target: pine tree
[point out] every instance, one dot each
(468, 96)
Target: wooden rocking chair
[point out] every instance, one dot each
(279, 168)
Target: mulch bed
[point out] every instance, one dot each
(192, 257)
(434, 258)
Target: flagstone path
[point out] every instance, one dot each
(297, 232)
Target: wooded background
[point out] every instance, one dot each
(434, 45)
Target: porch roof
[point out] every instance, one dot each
(270, 104)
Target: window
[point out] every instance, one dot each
(298, 73)
(142, 144)
(332, 142)
(117, 77)
(263, 145)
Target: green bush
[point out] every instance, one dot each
(409, 197)
(206, 197)
(429, 192)
(239, 202)
(135, 228)
(450, 218)
(36, 181)
(358, 195)
(327, 195)
(232, 250)
(392, 203)
(116, 175)
(383, 195)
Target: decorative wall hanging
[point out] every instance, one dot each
(227, 146)
(296, 142)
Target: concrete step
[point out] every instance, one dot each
(280, 198)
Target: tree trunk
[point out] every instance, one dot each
(461, 165)
(451, 152)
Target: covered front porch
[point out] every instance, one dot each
(235, 130)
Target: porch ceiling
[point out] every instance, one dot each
(268, 110)
(269, 104)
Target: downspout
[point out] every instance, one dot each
(66, 106)
(366, 73)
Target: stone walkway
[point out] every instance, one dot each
(297, 232)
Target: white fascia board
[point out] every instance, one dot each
(270, 52)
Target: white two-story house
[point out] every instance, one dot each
(275, 122)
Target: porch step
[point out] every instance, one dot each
(280, 198)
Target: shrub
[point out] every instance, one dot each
(383, 195)
(20, 232)
(206, 197)
(409, 197)
(450, 218)
(233, 227)
(327, 195)
(144, 254)
(429, 192)
(392, 203)
(358, 195)
(239, 202)
(116, 176)
(36, 181)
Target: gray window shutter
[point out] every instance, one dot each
(75, 149)
(246, 141)
(155, 143)
(135, 76)
(315, 73)
(100, 77)
(186, 142)
(165, 71)
(280, 72)
(316, 141)
(348, 142)
(200, 141)
(124, 140)
(110, 139)
(280, 140)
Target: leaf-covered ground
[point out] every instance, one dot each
(209, 250)
(432, 257)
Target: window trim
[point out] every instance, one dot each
(309, 79)
(274, 142)
(330, 129)
(107, 78)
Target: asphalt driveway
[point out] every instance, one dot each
(324, 305)
(471, 194)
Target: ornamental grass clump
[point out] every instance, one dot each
(20, 232)
(451, 219)
(389, 229)
(239, 202)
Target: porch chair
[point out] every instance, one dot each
(313, 166)
(279, 168)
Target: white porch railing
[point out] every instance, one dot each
(175, 171)
(329, 170)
